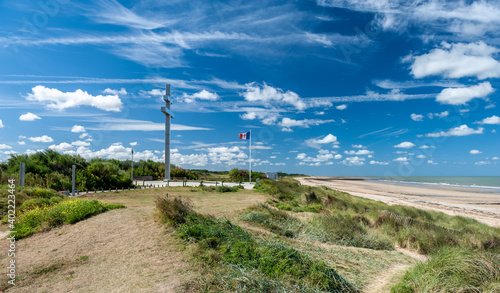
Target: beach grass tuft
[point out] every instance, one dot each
(453, 269)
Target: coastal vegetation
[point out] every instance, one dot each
(367, 223)
(39, 209)
(463, 253)
(220, 241)
(52, 170)
(280, 237)
(37, 215)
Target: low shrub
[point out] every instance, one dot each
(35, 192)
(33, 203)
(44, 217)
(311, 197)
(174, 210)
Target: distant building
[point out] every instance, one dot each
(272, 175)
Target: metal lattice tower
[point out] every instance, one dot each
(168, 115)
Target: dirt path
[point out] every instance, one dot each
(118, 251)
(383, 282)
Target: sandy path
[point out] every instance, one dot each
(482, 205)
(118, 251)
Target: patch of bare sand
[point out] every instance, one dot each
(118, 251)
(452, 201)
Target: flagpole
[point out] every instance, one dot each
(250, 162)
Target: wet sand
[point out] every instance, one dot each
(482, 204)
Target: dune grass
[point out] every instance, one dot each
(363, 222)
(220, 242)
(464, 253)
(453, 270)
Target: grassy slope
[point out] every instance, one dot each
(96, 253)
(463, 252)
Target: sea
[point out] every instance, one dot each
(488, 182)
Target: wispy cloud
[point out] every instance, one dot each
(121, 124)
(112, 12)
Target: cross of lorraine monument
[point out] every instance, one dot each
(168, 115)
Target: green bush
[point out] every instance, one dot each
(174, 210)
(44, 217)
(40, 192)
(33, 203)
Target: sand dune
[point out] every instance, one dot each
(477, 203)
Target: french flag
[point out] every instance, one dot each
(245, 135)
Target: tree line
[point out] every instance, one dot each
(50, 169)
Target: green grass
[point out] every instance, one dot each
(44, 217)
(221, 242)
(453, 270)
(347, 229)
(341, 228)
(276, 221)
(464, 253)
(361, 222)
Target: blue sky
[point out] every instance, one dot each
(327, 87)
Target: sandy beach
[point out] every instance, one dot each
(482, 204)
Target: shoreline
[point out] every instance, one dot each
(477, 203)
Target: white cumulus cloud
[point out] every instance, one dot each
(43, 138)
(438, 115)
(58, 100)
(63, 147)
(456, 61)
(1, 124)
(4, 146)
(417, 117)
(316, 142)
(460, 96)
(268, 94)
(462, 130)
(202, 95)
(401, 159)
(29, 117)
(78, 129)
(353, 161)
(490, 120)
(341, 107)
(475, 152)
(405, 145)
